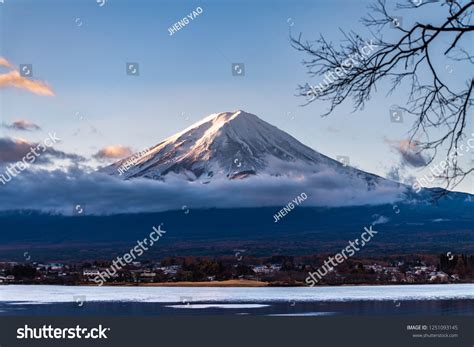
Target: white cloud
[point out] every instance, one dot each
(104, 194)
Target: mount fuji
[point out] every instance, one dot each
(233, 145)
(251, 170)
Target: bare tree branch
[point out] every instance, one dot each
(440, 110)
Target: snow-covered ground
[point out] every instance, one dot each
(36, 294)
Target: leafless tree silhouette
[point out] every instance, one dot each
(440, 111)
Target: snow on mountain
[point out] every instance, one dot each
(231, 145)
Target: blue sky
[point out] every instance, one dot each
(81, 49)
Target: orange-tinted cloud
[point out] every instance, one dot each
(6, 63)
(410, 152)
(114, 152)
(14, 79)
(22, 124)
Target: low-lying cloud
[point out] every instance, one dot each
(14, 150)
(57, 191)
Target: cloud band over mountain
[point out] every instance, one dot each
(104, 194)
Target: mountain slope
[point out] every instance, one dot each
(417, 228)
(230, 145)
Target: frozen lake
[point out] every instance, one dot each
(396, 299)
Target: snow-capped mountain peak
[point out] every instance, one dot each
(226, 145)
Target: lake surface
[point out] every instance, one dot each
(442, 299)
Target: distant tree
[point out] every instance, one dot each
(243, 270)
(460, 268)
(448, 263)
(22, 271)
(287, 264)
(470, 265)
(168, 261)
(184, 276)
